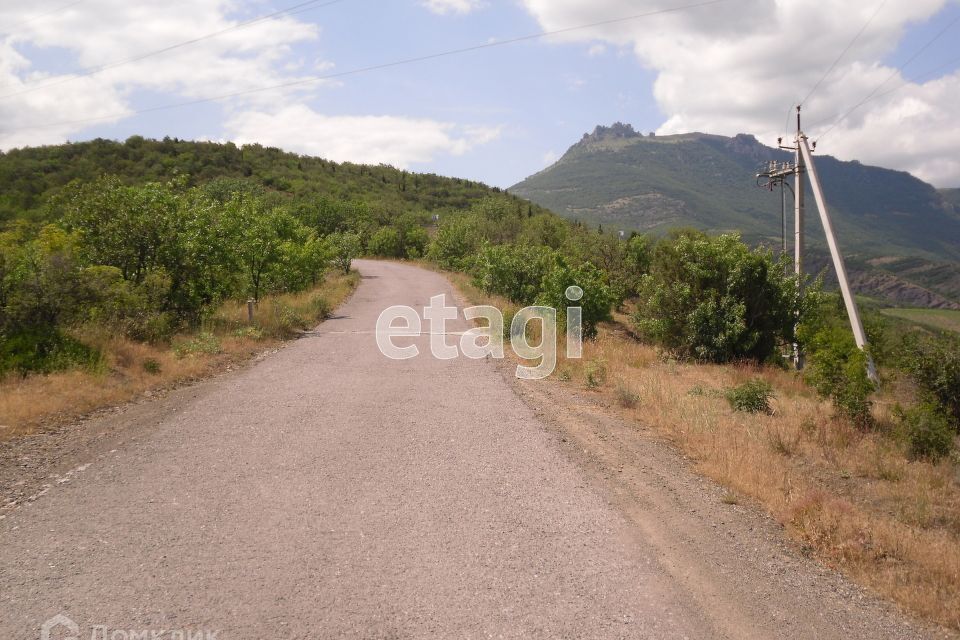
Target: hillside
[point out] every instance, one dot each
(30, 176)
(620, 178)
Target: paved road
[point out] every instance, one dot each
(327, 492)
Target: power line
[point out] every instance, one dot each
(377, 67)
(10, 29)
(844, 52)
(873, 94)
(89, 71)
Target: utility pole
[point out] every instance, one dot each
(799, 191)
(803, 166)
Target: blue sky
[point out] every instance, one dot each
(498, 114)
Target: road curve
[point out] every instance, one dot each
(327, 491)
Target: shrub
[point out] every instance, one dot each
(627, 397)
(933, 363)
(44, 351)
(513, 271)
(455, 242)
(927, 430)
(415, 242)
(151, 366)
(838, 371)
(321, 307)
(714, 299)
(751, 397)
(343, 248)
(203, 343)
(595, 303)
(386, 243)
(596, 373)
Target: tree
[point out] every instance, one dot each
(595, 303)
(343, 248)
(258, 236)
(386, 243)
(715, 299)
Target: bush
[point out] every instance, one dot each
(596, 373)
(513, 271)
(386, 243)
(415, 242)
(343, 248)
(838, 371)
(455, 242)
(151, 366)
(716, 300)
(933, 363)
(751, 397)
(44, 351)
(928, 431)
(321, 307)
(627, 397)
(595, 304)
(203, 343)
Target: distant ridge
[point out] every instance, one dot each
(900, 234)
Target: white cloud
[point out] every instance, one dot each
(253, 56)
(365, 139)
(452, 6)
(550, 157)
(736, 67)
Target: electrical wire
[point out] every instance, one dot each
(10, 29)
(90, 71)
(844, 52)
(873, 94)
(377, 67)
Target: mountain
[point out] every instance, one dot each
(900, 236)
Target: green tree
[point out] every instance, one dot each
(715, 299)
(343, 248)
(597, 299)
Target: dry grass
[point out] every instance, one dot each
(854, 500)
(130, 369)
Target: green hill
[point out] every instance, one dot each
(30, 176)
(900, 235)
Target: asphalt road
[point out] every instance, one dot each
(327, 491)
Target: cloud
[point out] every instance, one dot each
(550, 157)
(452, 6)
(33, 97)
(391, 140)
(737, 66)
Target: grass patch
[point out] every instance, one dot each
(941, 319)
(120, 369)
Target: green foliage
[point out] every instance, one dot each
(151, 366)
(596, 373)
(43, 350)
(203, 343)
(838, 371)
(597, 298)
(715, 299)
(928, 431)
(513, 271)
(753, 396)
(626, 397)
(344, 247)
(933, 362)
(387, 243)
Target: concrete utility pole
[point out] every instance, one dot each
(803, 165)
(799, 192)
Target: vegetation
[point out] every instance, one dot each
(752, 396)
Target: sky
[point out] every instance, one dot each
(328, 77)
